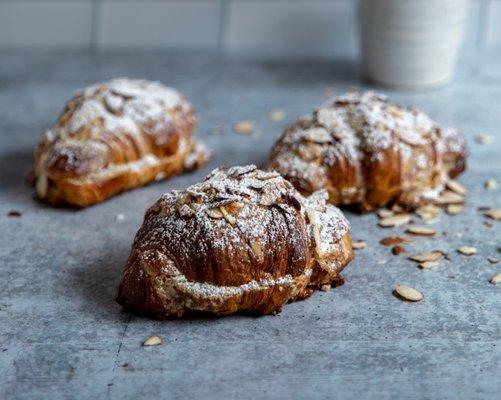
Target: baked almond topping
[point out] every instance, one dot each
(397, 250)
(408, 293)
(467, 250)
(384, 213)
(496, 279)
(428, 264)
(244, 127)
(420, 231)
(494, 213)
(359, 244)
(449, 197)
(428, 256)
(153, 341)
(395, 220)
(456, 187)
(493, 260)
(392, 240)
(491, 184)
(454, 209)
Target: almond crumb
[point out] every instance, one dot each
(493, 213)
(276, 115)
(420, 231)
(467, 250)
(483, 139)
(454, 209)
(153, 341)
(245, 127)
(428, 264)
(325, 288)
(359, 245)
(408, 293)
(397, 250)
(496, 279)
(428, 256)
(456, 187)
(395, 220)
(492, 260)
(491, 184)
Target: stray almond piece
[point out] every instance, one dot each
(455, 186)
(408, 293)
(491, 184)
(153, 341)
(276, 115)
(384, 213)
(245, 127)
(454, 209)
(428, 212)
(429, 256)
(359, 245)
(496, 279)
(493, 213)
(492, 260)
(483, 139)
(227, 215)
(391, 240)
(428, 264)
(467, 250)
(325, 288)
(395, 220)
(397, 250)
(420, 231)
(215, 213)
(449, 197)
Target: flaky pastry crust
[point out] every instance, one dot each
(241, 240)
(115, 136)
(366, 151)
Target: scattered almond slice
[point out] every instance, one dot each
(395, 220)
(449, 197)
(491, 184)
(420, 231)
(359, 245)
(153, 341)
(454, 209)
(215, 213)
(483, 139)
(467, 250)
(428, 256)
(493, 213)
(392, 240)
(276, 115)
(408, 293)
(493, 260)
(496, 279)
(428, 212)
(325, 288)
(397, 250)
(384, 213)
(245, 127)
(428, 264)
(456, 187)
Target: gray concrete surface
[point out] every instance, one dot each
(63, 337)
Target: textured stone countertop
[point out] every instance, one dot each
(62, 336)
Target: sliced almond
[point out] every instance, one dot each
(449, 197)
(491, 184)
(496, 279)
(428, 264)
(428, 256)
(492, 260)
(467, 250)
(245, 127)
(483, 139)
(325, 288)
(276, 115)
(153, 341)
(359, 245)
(215, 213)
(420, 231)
(394, 220)
(493, 213)
(456, 187)
(408, 293)
(392, 240)
(228, 216)
(257, 250)
(454, 209)
(384, 213)
(428, 212)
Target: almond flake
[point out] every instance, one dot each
(493, 213)
(428, 212)
(215, 213)
(276, 115)
(496, 279)
(428, 256)
(230, 218)
(456, 187)
(420, 231)
(428, 264)
(245, 127)
(153, 341)
(449, 197)
(491, 184)
(408, 293)
(384, 213)
(395, 220)
(325, 288)
(392, 240)
(492, 260)
(467, 250)
(454, 209)
(359, 245)
(483, 139)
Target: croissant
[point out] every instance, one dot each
(112, 137)
(242, 240)
(369, 152)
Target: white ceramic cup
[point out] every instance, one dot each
(411, 43)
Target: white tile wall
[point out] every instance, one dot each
(278, 27)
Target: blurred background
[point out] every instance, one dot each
(297, 28)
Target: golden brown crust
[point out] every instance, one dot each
(241, 240)
(112, 137)
(367, 151)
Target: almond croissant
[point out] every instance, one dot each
(241, 240)
(112, 137)
(367, 151)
